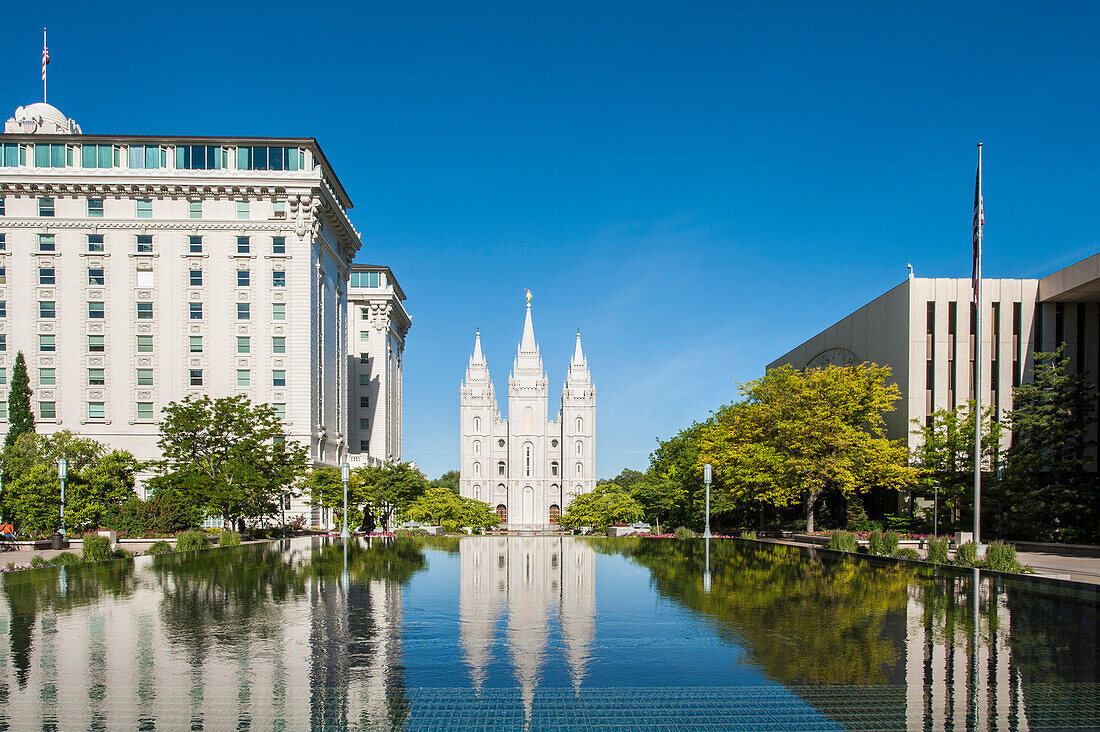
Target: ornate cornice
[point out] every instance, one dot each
(145, 224)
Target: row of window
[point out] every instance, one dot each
(98, 377)
(151, 157)
(579, 423)
(96, 276)
(143, 209)
(365, 279)
(48, 309)
(143, 244)
(502, 470)
(97, 411)
(97, 343)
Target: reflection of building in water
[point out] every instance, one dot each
(531, 579)
(946, 687)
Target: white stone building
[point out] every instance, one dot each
(527, 467)
(376, 350)
(137, 270)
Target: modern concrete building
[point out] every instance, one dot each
(376, 349)
(923, 329)
(527, 467)
(138, 270)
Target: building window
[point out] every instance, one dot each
(278, 210)
(502, 514)
(3, 377)
(200, 157)
(580, 425)
(364, 379)
(144, 410)
(243, 278)
(95, 208)
(555, 513)
(364, 359)
(95, 310)
(45, 207)
(12, 155)
(278, 377)
(95, 276)
(364, 336)
(144, 244)
(527, 459)
(3, 308)
(278, 344)
(95, 242)
(47, 344)
(144, 311)
(196, 377)
(364, 402)
(46, 243)
(477, 470)
(3, 240)
(145, 344)
(364, 445)
(477, 424)
(244, 377)
(47, 377)
(52, 156)
(96, 411)
(242, 209)
(3, 347)
(145, 208)
(364, 423)
(46, 276)
(580, 470)
(194, 209)
(3, 410)
(278, 245)
(147, 157)
(194, 244)
(195, 344)
(244, 344)
(47, 309)
(580, 448)
(280, 410)
(244, 311)
(278, 311)
(500, 468)
(269, 158)
(99, 156)
(365, 279)
(195, 278)
(278, 278)
(554, 468)
(47, 410)
(477, 447)
(243, 246)
(96, 344)
(97, 377)
(145, 377)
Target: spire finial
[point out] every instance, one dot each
(528, 299)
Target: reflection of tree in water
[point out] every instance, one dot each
(58, 589)
(357, 675)
(799, 619)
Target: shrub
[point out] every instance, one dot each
(65, 558)
(844, 541)
(966, 555)
(190, 540)
(1001, 557)
(891, 541)
(748, 534)
(682, 532)
(875, 544)
(937, 550)
(96, 548)
(159, 547)
(121, 553)
(908, 553)
(38, 561)
(450, 527)
(229, 538)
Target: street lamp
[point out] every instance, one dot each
(345, 475)
(62, 474)
(706, 479)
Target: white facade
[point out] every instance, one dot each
(527, 467)
(376, 349)
(135, 271)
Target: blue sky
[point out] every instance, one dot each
(698, 187)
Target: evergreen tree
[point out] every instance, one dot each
(20, 417)
(1049, 491)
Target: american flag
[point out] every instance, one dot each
(979, 222)
(45, 57)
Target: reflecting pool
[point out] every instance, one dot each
(541, 633)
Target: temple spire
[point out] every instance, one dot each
(477, 357)
(578, 354)
(527, 345)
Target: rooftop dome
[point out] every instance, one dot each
(43, 119)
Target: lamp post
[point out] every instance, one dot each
(62, 474)
(936, 509)
(706, 479)
(345, 476)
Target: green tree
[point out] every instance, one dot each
(945, 455)
(448, 480)
(438, 505)
(1049, 492)
(229, 456)
(326, 489)
(625, 479)
(389, 489)
(605, 506)
(20, 417)
(797, 434)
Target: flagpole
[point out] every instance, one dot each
(43, 65)
(980, 214)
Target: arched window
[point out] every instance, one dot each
(579, 446)
(527, 459)
(554, 468)
(501, 488)
(477, 424)
(500, 468)
(477, 492)
(580, 470)
(555, 514)
(502, 513)
(528, 420)
(477, 470)
(554, 489)
(477, 447)
(500, 443)
(580, 425)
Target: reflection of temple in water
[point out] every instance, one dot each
(529, 580)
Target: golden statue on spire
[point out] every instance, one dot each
(528, 296)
